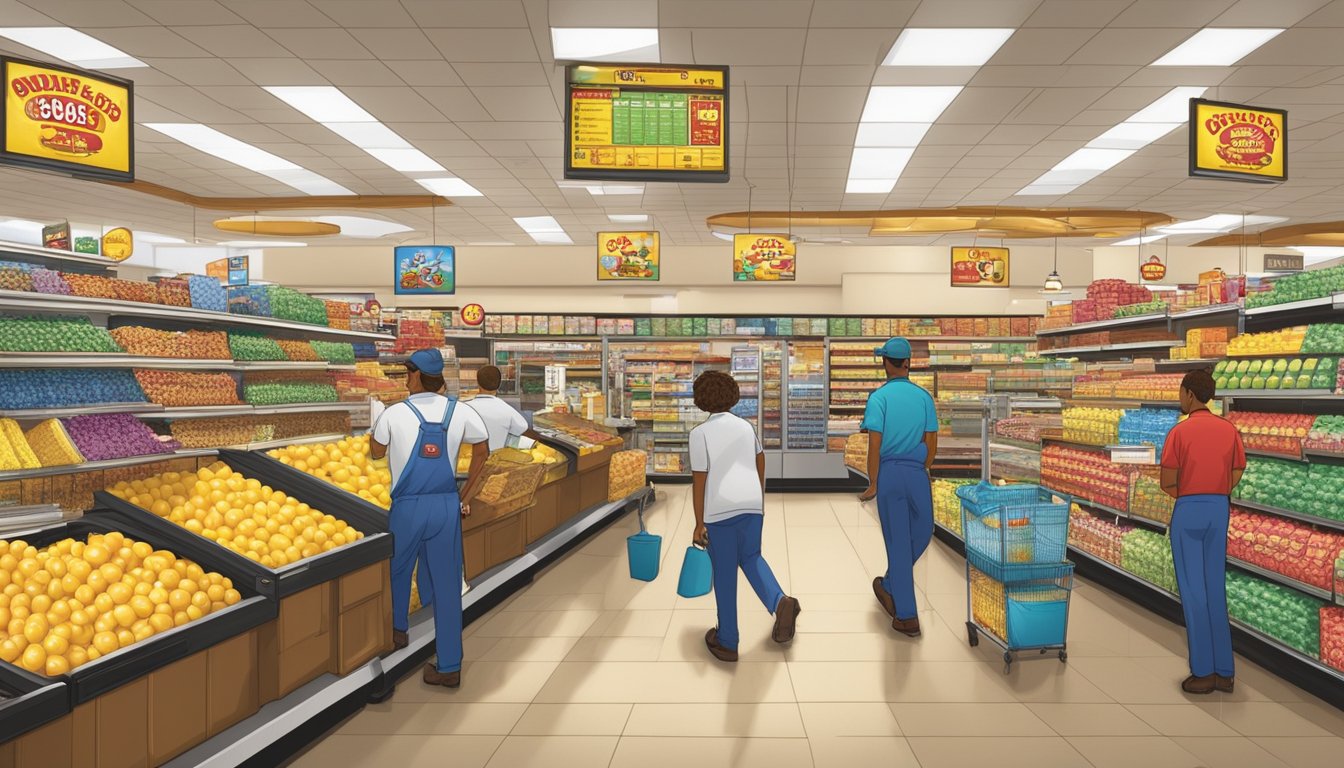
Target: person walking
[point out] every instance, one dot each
(1202, 461)
(421, 437)
(728, 495)
(902, 426)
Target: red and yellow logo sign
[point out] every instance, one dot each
(1236, 141)
(118, 244)
(979, 267)
(1153, 269)
(65, 118)
(473, 315)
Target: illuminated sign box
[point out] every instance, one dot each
(58, 118)
(764, 257)
(646, 122)
(982, 267)
(1237, 142)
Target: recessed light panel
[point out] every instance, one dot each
(945, 47)
(1213, 47)
(637, 45)
(240, 153)
(73, 46)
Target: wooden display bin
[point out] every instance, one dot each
(299, 645)
(364, 616)
(541, 518)
(495, 542)
(593, 484)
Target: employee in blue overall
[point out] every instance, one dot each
(902, 427)
(421, 437)
(1202, 461)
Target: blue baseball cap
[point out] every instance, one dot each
(429, 361)
(896, 348)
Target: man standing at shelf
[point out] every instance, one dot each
(1202, 461)
(502, 420)
(902, 426)
(421, 437)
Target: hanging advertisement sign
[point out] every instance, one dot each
(473, 315)
(627, 256)
(58, 118)
(1284, 262)
(762, 257)
(422, 269)
(1237, 142)
(118, 244)
(977, 267)
(1153, 269)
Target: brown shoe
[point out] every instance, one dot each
(400, 639)
(1199, 686)
(907, 627)
(433, 676)
(1223, 684)
(720, 653)
(884, 597)
(786, 619)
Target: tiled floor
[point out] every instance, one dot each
(589, 668)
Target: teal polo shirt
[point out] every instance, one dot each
(902, 411)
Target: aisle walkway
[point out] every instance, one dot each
(589, 668)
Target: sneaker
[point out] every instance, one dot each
(786, 619)
(400, 639)
(433, 676)
(907, 627)
(884, 597)
(1223, 684)
(720, 653)
(1199, 686)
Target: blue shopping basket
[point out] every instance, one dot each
(645, 551)
(1014, 524)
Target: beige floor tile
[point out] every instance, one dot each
(969, 720)
(1181, 720)
(680, 752)
(1225, 752)
(616, 649)
(1127, 752)
(1305, 752)
(862, 752)
(425, 719)
(667, 682)
(824, 561)
(549, 751)
(1262, 718)
(631, 624)
(573, 720)
(402, 751)
(1320, 713)
(846, 719)
(540, 624)
(1036, 679)
(937, 681)
(716, 720)
(999, 752)
(529, 649)
(868, 620)
(1091, 720)
(1130, 681)
(810, 514)
(497, 681)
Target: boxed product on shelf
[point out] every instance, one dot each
(1273, 432)
(1087, 475)
(135, 290)
(1147, 426)
(22, 389)
(1092, 426)
(1281, 612)
(1148, 556)
(335, 352)
(216, 432)
(1284, 341)
(54, 334)
(191, 344)
(15, 276)
(178, 389)
(1326, 434)
(338, 314)
(1147, 499)
(1332, 636)
(1323, 338)
(1286, 547)
(297, 350)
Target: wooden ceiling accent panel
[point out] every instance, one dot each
(994, 221)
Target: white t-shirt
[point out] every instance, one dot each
(501, 419)
(399, 430)
(725, 448)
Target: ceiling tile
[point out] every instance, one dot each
(186, 12)
(278, 71)
(847, 46)
(467, 13)
(831, 105)
(280, 13)
(197, 71)
(488, 45)
(436, 72)
(94, 13)
(513, 103)
(458, 103)
(150, 42)
(310, 44)
(359, 72)
(748, 46)
(1138, 47)
(235, 41)
(1190, 14)
(973, 13)
(365, 13)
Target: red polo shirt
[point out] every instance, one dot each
(1204, 448)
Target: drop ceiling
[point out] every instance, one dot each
(472, 83)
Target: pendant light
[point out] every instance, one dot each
(1054, 284)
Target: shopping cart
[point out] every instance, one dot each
(1018, 582)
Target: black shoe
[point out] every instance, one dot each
(786, 619)
(720, 653)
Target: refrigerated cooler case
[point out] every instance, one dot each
(522, 365)
(745, 368)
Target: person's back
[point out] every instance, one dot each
(726, 447)
(1207, 470)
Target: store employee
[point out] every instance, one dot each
(501, 419)
(421, 437)
(902, 426)
(1202, 461)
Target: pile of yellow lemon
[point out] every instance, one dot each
(345, 463)
(72, 602)
(239, 513)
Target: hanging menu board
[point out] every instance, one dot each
(58, 118)
(646, 123)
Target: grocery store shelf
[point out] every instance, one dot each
(42, 303)
(1008, 442)
(80, 410)
(1111, 510)
(1108, 348)
(1190, 364)
(92, 466)
(1272, 455)
(54, 257)
(1112, 567)
(272, 444)
(1324, 522)
(1330, 457)
(1279, 578)
(1279, 394)
(1323, 302)
(1076, 445)
(115, 360)
(1098, 325)
(210, 411)
(1120, 402)
(1207, 311)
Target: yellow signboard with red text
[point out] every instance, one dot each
(1234, 141)
(64, 119)
(628, 256)
(977, 267)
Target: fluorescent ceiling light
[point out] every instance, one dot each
(729, 235)
(449, 186)
(323, 103)
(891, 134)
(1141, 240)
(262, 244)
(869, 186)
(627, 218)
(1210, 47)
(1132, 135)
(1219, 222)
(544, 229)
(907, 103)
(73, 46)
(878, 162)
(407, 160)
(633, 45)
(945, 47)
(597, 188)
(225, 147)
(329, 106)
(552, 238)
(1090, 159)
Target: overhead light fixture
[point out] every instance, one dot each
(1219, 222)
(329, 106)
(240, 153)
(449, 186)
(544, 229)
(891, 134)
(627, 218)
(945, 47)
(1166, 114)
(73, 46)
(722, 235)
(894, 121)
(1216, 47)
(262, 244)
(907, 103)
(635, 45)
(1054, 284)
(1140, 240)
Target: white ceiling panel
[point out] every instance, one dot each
(486, 45)
(280, 13)
(973, 13)
(341, 72)
(235, 41)
(174, 12)
(748, 46)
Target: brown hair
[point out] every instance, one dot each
(488, 377)
(1200, 384)
(715, 392)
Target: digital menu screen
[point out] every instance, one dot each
(63, 119)
(646, 123)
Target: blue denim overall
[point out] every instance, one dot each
(905, 510)
(1199, 548)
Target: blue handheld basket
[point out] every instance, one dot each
(1014, 524)
(697, 575)
(645, 552)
